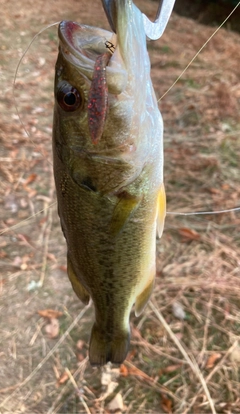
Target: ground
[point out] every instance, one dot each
(185, 354)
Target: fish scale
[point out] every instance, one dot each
(109, 179)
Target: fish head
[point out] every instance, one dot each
(106, 109)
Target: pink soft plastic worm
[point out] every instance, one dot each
(98, 98)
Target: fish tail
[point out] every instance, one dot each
(103, 349)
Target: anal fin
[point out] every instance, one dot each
(161, 210)
(78, 288)
(143, 298)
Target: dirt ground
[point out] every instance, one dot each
(185, 351)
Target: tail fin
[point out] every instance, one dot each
(103, 349)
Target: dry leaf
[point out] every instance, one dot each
(50, 313)
(52, 329)
(166, 405)
(80, 344)
(123, 370)
(80, 357)
(63, 268)
(116, 404)
(132, 370)
(188, 234)
(63, 378)
(214, 190)
(131, 354)
(30, 179)
(170, 368)
(178, 311)
(212, 360)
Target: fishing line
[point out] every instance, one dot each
(199, 51)
(169, 213)
(197, 213)
(22, 222)
(15, 79)
(175, 213)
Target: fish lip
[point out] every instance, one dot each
(81, 44)
(76, 37)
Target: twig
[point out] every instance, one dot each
(209, 306)
(45, 251)
(77, 390)
(40, 365)
(192, 362)
(55, 408)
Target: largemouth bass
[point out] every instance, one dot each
(108, 168)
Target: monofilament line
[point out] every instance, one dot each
(202, 213)
(194, 57)
(16, 73)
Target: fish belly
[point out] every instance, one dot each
(115, 268)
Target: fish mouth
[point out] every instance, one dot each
(81, 45)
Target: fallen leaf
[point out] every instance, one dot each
(52, 329)
(132, 370)
(166, 405)
(188, 234)
(123, 370)
(131, 354)
(2, 281)
(51, 257)
(30, 179)
(212, 360)
(63, 268)
(80, 345)
(80, 357)
(116, 404)
(225, 186)
(63, 378)
(50, 313)
(214, 190)
(178, 311)
(170, 368)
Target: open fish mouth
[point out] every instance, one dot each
(81, 45)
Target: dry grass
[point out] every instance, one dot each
(185, 351)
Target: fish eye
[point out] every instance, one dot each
(69, 98)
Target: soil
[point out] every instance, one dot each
(210, 12)
(197, 257)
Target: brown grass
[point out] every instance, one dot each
(186, 365)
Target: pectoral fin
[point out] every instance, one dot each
(122, 212)
(78, 288)
(161, 210)
(143, 298)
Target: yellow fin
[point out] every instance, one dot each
(123, 210)
(143, 298)
(161, 210)
(78, 288)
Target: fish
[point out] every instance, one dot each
(108, 170)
